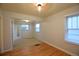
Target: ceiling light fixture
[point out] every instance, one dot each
(39, 4)
(27, 21)
(39, 7)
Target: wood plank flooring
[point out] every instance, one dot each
(41, 49)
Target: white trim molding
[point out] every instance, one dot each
(2, 34)
(72, 54)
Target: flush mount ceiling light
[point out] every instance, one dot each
(39, 4)
(27, 21)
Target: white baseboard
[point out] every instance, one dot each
(6, 50)
(72, 54)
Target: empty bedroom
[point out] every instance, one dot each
(39, 29)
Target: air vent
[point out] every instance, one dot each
(36, 44)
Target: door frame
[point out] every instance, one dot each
(2, 46)
(11, 31)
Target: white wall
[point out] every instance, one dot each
(7, 33)
(53, 31)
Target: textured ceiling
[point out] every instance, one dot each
(31, 9)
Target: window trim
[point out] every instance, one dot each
(71, 24)
(66, 29)
(38, 28)
(28, 27)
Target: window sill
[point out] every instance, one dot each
(73, 39)
(71, 42)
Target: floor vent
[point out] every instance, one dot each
(36, 44)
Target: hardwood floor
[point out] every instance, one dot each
(41, 49)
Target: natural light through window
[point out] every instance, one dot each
(72, 26)
(37, 27)
(25, 27)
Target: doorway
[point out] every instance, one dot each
(23, 34)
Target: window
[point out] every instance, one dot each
(25, 27)
(37, 27)
(72, 34)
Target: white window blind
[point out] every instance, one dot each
(72, 34)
